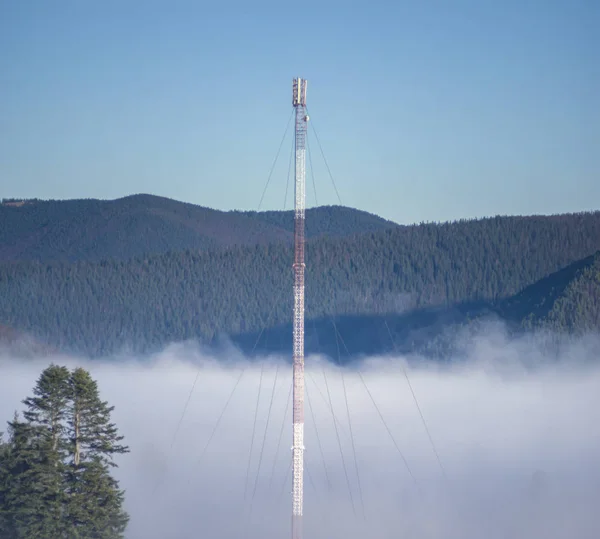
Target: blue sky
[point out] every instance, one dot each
(426, 110)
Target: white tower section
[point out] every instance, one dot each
(299, 101)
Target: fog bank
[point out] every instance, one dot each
(520, 449)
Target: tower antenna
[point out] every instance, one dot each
(299, 102)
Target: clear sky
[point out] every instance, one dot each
(426, 110)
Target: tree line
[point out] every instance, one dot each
(56, 462)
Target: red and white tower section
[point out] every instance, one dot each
(299, 101)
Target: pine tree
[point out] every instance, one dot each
(31, 489)
(38, 449)
(55, 479)
(18, 461)
(4, 466)
(48, 407)
(95, 500)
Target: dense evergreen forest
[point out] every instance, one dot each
(564, 304)
(55, 465)
(420, 278)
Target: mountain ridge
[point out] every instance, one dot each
(142, 224)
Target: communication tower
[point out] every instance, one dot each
(299, 102)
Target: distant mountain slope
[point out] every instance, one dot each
(333, 221)
(16, 344)
(567, 302)
(138, 225)
(576, 309)
(566, 299)
(131, 226)
(148, 301)
(564, 304)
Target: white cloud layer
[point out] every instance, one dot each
(520, 448)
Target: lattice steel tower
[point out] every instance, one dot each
(299, 101)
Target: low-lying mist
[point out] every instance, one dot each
(519, 448)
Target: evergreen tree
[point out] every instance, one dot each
(95, 505)
(4, 517)
(36, 493)
(32, 492)
(55, 479)
(47, 408)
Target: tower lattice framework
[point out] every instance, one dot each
(299, 102)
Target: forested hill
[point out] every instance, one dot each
(568, 300)
(332, 221)
(94, 230)
(567, 303)
(96, 308)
